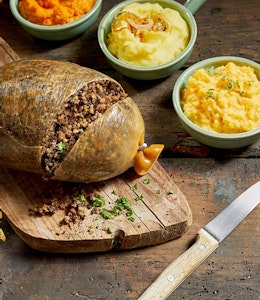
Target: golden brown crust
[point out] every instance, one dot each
(32, 92)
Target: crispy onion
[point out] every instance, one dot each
(143, 24)
(135, 24)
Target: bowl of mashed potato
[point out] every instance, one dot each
(55, 19)
(147, 40)
(217, 101)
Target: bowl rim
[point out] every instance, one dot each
(114, 10)
(13, 7)
(182, 80)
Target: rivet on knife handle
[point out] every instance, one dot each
(181, 268)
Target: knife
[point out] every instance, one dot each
(208, 239)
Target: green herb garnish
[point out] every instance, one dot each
(146, 181)
(210, 70)
(110, 229)
(61, 147)
(99, 202)
(106, 214)
(122, 203)
(210, 94)
(171, 192)
(139, 198)
(238, 84)
(134, 187)
(158, 191)
(230, 85)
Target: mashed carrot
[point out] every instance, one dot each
(54, 12)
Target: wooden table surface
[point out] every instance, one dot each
(209, 178)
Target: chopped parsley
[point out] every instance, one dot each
(134, 187)
(99, 202)
(210, 70)
(139, 198)
(230, 84)
(110, 229)
(210, 94)
(106, 214)
(61, 147)
(132, 219)
(146, 181)
(122, 204)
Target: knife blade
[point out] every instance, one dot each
(208, 239)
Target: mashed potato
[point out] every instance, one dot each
(224, 99)
(54, 12)
(147, 34)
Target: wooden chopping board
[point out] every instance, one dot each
(160, 210)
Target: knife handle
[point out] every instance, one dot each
(181, 268)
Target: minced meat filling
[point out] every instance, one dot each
(81, 109)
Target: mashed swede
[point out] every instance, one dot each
(225, 99)
(54, 12)
(146, 34)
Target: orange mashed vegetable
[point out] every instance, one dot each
(54, 12)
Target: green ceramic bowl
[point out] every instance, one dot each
(149, 73)
(57, 32)
(217, 140)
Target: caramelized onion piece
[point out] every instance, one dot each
(143, 24)
(134, 23)
(121, 21)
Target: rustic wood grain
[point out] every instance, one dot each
(7, 54)
(209, 179)
(158, 217)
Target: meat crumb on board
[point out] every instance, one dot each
(74, 201)
(78, 204)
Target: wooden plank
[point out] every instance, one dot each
(7, 54)
(159, 217)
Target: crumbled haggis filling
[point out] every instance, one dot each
(81, 109)
(73, 199)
